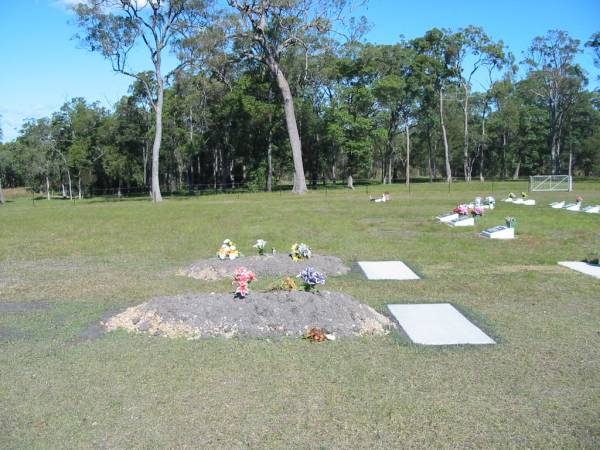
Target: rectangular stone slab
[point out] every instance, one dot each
(499, 232)
(437, 324)
(387, 270)
(582, 267)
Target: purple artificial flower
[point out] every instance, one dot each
(311, 277)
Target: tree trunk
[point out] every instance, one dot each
(407, 154)
(80, 196)
(430, 156)
(389, 170)
(445, 139)
(350, 182)
(145, 162)
(156, 195)
(290, 119)
(504, 169)
(482, 154)
(516, 173)
(47, 187)
(555, 153)
(466, 163)
(270, 152)
(570, 159)
(1, 193)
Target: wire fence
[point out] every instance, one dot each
(367, 186)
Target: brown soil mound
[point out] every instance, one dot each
(261, 314)
(264, 266)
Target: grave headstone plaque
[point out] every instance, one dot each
(499, 232)
(447, 217)
(462, 221)
(437, 324)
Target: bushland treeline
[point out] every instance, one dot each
(445, 105)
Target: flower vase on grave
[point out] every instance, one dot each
(511, 222)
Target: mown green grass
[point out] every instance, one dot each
(539, 387)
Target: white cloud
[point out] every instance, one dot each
(12, 119)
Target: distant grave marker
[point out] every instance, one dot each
(444, 218)
(387, 270)
(437, 324)
(499, 232)
(462, 221)
(579, 266)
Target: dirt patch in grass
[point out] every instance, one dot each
(263, 266)
(17, 307)
(262, 314)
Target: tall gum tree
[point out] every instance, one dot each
(559, 80)
(264, 30)
(114, 27)
(473, 50)
(436, 56)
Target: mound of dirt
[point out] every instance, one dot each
(263, 266)
(261, 314)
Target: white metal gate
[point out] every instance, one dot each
(550, 183)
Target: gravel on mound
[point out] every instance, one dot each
(263, 266)
(261, 314)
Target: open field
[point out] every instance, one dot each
(538, 388)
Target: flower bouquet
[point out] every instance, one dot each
(578, 199)
(511, 195)
(228, 250)
(490, 202)
(311, 278)
(300, 252)
(511, 222)
(462, 210)
(260, 246)
(524, 195)
(243, 277)
(477, 212)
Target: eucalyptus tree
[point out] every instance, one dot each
(397, 92)
(265, 30)
(436, 56)
(594, 44)
(551, 61)
(37, 153)
(473, 50)
(504, 120)
(114, 27)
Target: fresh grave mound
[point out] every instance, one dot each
(263, 266)
(262, 314)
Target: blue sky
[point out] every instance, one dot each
(42, 66)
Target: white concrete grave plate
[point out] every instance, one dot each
(499, 232)
(437, 324)
(508, 200)
(518, 201)
(529, 202)
(579, 266)
(447, 217)
(592, 209)
(572, 207)
(387, 270)
(462, 221)
(557, 205)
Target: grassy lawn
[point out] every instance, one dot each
(538, 388)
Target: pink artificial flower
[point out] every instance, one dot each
(242, 289)
(478, 211)
(243, 277)
(463, 210)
